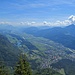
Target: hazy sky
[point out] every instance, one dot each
(37, 12)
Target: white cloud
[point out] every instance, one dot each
(72, 19)
(33, 23)
(68, 21)
(27, 23)
(45, 22)
(5, 22)
(57, 23)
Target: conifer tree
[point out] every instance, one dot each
(3, 69)
(23, 67)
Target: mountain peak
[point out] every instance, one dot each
(72, 26)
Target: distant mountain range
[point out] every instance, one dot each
(65, 35)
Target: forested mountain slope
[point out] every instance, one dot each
(8, 52)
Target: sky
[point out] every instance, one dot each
(37, 12)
